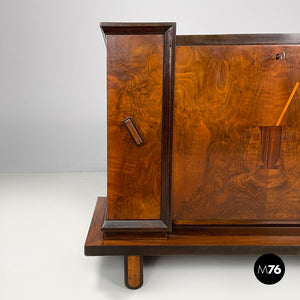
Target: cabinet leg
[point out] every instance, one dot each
(133, 267)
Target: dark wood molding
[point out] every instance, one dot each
(248, 223)
(134, 225)
(238, 39)
(157, 250)
(109, 28)
(235, 230)
(135, 28)
(167, 124)
(134, 235)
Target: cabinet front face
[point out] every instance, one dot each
(134, 137)
(231, 164)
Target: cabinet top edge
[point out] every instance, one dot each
(239, 39)
(120, 28)
(111, 28)
(135, 24)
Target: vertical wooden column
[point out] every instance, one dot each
(140, 88)
(133, 267)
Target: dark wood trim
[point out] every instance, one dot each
(134, 225)
(135, 28)
(221, 243)
(169, 32)
(235, 230)
(126, 274)
(134, 235)
(238, 39)
(167, 124)
(237, 222)
(146, 250)
(109, 28)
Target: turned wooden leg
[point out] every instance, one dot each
(133, 271)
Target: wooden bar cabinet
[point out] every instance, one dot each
(203, 145)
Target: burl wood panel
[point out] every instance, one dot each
(226, 166)
(134, 89)
(133, 267)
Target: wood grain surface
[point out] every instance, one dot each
(224, 95)
(134, 89)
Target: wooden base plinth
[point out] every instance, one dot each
(180, 242)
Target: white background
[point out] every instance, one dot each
(53, 119)
(44, 219)
(53, 76)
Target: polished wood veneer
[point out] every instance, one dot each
(224, 165)
(135, 80)
(203, 145)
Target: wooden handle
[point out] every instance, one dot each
(133, 131)
(287, 103)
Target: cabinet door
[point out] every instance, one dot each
(231, 164)
(138, 106)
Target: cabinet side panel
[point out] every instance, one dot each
(135, 90)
